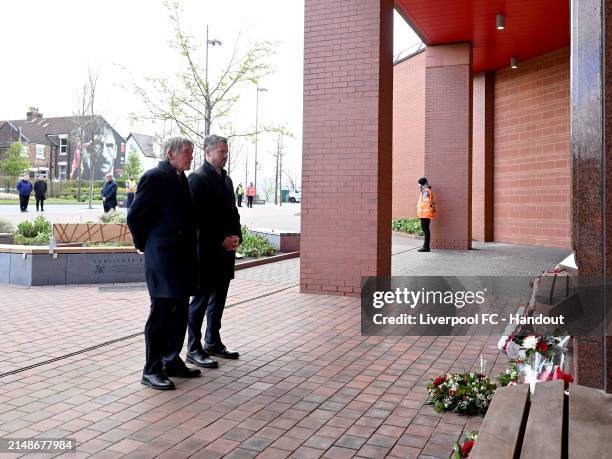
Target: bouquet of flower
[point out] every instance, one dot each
(512, 375)
(462, 393)
(463, 450)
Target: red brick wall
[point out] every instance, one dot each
(346, 162)
(448, 142)
(408, 133)
(532, 152)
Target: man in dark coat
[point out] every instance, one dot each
(162, 225)
(109, 194)
(219, 235)
(40, 190)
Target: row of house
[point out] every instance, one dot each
(53, 147)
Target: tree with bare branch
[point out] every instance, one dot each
(189, 97)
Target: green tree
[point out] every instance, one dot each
(15, 163)
(133, 165)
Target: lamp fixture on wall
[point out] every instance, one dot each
(513, 62)
(500, 22)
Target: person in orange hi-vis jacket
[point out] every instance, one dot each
(426, 209)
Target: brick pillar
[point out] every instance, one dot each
(482, 156)
(346, 159)
(448, 143)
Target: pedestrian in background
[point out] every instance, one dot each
(40, 191)
(24, 187)
(161, 221)
(250, 192)
(239, 194)
(109, 194)
(130, 188)
(426, 209)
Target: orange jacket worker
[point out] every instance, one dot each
(426, 209)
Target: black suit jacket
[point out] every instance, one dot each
(162, 225)
(216, 217)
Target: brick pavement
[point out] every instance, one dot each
(307, 383)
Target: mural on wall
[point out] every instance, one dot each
(106, 157)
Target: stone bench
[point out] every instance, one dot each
(35, 265)
(549, 425)
(282, 240)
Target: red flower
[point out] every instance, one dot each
(541, 346)
(439, 380)
(566, 377)
(466, 448)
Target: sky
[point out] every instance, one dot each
(51, 45)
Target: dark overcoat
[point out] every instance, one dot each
(216, 217)
(162, 225)
(40, 189)
(109, 191)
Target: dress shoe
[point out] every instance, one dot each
(221, 351)
(423, 249)
(201, 359)
(183, 372)
(159, 382)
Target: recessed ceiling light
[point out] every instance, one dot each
(500, 22)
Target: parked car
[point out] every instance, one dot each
(295, 196)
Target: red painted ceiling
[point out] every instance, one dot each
(533, 27)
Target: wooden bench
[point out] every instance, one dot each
(550, 425)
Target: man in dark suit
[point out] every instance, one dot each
(219, 235)
(162, 224)
(109, 194)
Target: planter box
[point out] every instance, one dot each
(35, 266)
(91, 232)
(7, 238)
(282, 240)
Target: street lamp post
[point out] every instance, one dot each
(257, 128)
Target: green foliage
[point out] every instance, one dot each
(113, 217)
(133, 165)
(6, 226)
(33, 232)
(15, 163)
(511, 376)
(254, 245)
(407, 225)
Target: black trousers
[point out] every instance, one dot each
(23, 202)
(165, 333)
(41, 202)
(249, 201)
(210, 302)
(108, 208)
(239, 200)
(130, 200)
(425, 226)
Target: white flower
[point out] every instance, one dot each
(530, 342)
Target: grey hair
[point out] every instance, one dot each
(174, 145)
(212, 141)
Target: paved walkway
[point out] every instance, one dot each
(307, 383)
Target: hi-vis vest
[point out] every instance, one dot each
(426, 208)
(130, 186)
